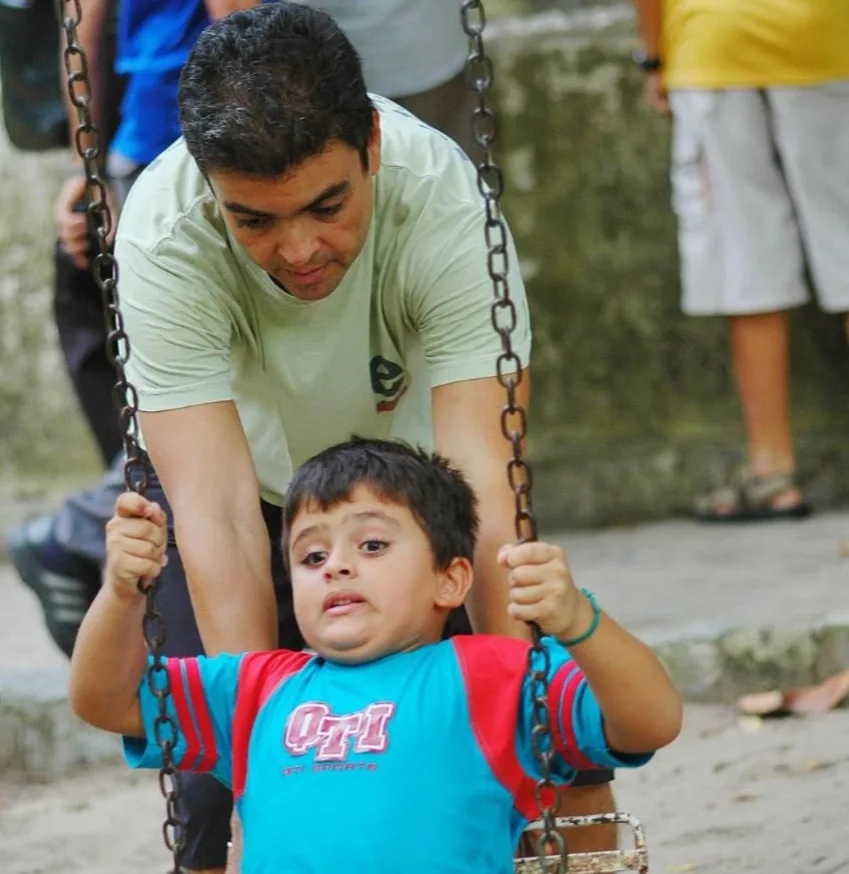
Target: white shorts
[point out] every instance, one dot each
(760, 186)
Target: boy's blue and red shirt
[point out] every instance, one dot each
(420, 761)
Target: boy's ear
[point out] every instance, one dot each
(454, 584)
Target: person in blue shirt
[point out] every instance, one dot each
(420, 748)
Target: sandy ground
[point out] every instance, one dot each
(729, 796)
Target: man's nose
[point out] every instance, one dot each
(298, 247)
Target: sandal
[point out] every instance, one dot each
(749, 499)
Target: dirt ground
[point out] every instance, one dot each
(729, 796)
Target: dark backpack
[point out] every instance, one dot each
(33, 110)
(30, 78)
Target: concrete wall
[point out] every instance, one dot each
(633, 406)
(42, 436)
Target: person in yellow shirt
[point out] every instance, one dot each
(759, 97)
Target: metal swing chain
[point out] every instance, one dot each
(124, 395)
(480, 75)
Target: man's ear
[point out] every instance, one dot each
(373, 147)
(455, 582)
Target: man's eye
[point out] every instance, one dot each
(251, 224)
(373, 546)
(314, 558)
(327, 211)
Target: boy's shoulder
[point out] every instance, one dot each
(488, 661)
(495, 647)
(261, 673)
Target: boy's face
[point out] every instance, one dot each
(364, 582)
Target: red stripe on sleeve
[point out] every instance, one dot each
(184, 717)
(209, 748)
(561, 702)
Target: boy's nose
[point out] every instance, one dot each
(334, 570)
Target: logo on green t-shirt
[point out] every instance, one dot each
(388, 381)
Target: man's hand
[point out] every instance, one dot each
(542, 589)
(136, 541)
(655, 94)
(71, 223)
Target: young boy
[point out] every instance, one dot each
(384, 749)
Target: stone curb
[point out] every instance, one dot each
(41, 740)
(717, 665)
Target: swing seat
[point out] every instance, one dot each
(602, 862)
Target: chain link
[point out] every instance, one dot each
(480, 77)
(136, 472)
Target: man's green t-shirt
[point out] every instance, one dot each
(412, 312)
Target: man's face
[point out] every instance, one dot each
(306, 228)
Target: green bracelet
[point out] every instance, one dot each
(593, 625)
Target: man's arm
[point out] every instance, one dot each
(220, 8)
(467, 429)
(202, 458)
(650, 19)
(649, 13)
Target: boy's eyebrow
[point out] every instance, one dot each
(374, 514)
(362, 516)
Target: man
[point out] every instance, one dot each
(307, 263)
(277, 302)
(759, 94)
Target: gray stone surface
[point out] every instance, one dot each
(41, 432)
(40, 739)
(634, 409)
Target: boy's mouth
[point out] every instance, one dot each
(341, 602)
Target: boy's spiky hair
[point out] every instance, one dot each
(435, 492)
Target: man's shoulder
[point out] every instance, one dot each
(170, 197)
(421, 165)
(425, 196)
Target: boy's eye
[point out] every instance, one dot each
(371, 547)
(314, 558)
